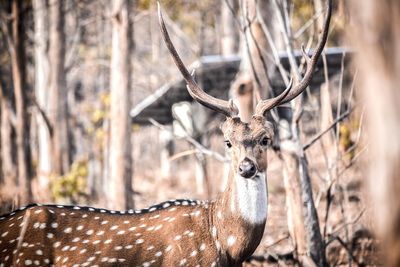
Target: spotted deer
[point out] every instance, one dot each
(223, 232)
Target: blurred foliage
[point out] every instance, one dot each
(97, 117)
(303, 11)
(189, 14)
(346, 141)
(135, 127)
(71, 186)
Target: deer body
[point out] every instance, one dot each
(172, 233)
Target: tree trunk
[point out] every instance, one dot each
(120, 160)
(376, 37)
(230, 36)
(20, 90)
(58, 95)
(8, 167)
(42, 95)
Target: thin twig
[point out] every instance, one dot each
(197, 145)
(344, 245)
(277, 241)
(44, 117)
(340, 228)
(320, 134)
(328, 205)
(306, 25)
(183, 154)
(354, 159)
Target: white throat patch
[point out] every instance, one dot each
(251, 199)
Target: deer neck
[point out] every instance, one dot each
(239, 216)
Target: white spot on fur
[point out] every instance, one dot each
(214, 231)
(202, 247)
(89, 232)
(218, 244)
(231, 240)
(100, 233)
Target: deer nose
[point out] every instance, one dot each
(247, 168)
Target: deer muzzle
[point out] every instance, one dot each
(247, 168)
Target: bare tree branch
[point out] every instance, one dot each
(192, 141)
(320, 134)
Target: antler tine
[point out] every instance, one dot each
(311, 62)
(222, 106)
(268, 104)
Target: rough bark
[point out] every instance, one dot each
(120, 161)
(58, 95)
(42, 94)
(20, 91)
(376, 38)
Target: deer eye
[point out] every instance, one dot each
(265, 141)
(228, 144)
